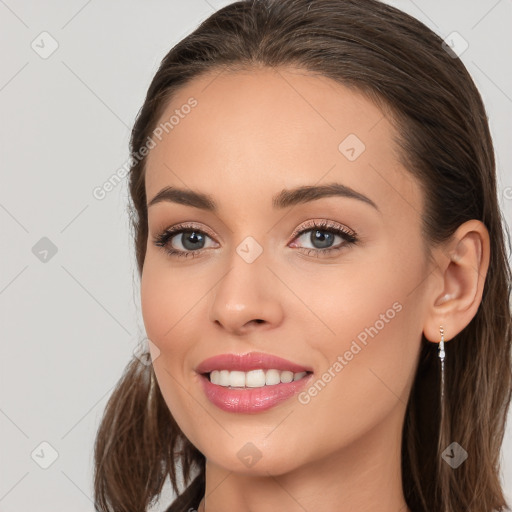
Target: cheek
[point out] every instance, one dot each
(371, 339)
(364, 304)
(166, 300)
(156, 306)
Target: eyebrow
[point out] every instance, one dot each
(284, 199)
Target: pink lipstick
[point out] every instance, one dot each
(250, 383)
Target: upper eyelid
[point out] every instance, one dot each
(323, 224)
(185, 226)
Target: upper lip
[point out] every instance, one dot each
(248, 362)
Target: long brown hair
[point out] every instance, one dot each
(444, 141)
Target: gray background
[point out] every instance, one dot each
(69, 325)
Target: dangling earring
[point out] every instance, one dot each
(441, 357)
(151, 393)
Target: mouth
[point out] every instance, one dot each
(251, 370)
(257, 378)
(252, 382)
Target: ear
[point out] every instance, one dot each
(458, 281)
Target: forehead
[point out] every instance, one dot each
(263, 130)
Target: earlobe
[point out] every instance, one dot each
(462, 268)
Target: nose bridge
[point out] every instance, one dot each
(244, 293)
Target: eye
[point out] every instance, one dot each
(192, 240)
(322, 236)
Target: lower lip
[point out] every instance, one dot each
(251, 400)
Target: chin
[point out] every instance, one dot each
(253, 462)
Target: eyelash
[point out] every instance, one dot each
(350, 237)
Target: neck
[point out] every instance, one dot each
(363, 476)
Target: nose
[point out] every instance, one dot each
(247, 297)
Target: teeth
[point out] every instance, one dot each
(224, 378)
(237, 379)
(272, 377)
(286, 376)
(253, 379)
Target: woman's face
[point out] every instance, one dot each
(349, 311)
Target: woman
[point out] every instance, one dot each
(324, 280)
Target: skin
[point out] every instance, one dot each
(251, 135)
